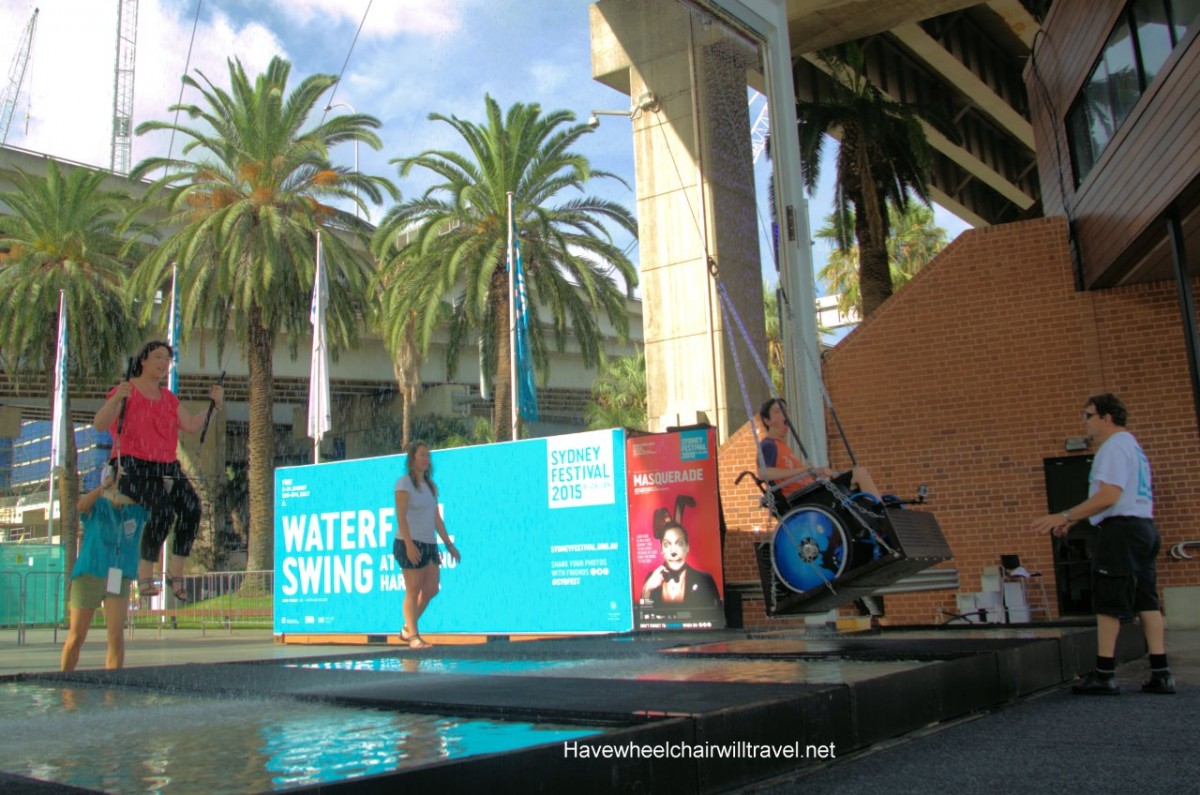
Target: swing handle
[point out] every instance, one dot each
(212, 405)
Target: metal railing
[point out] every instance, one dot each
(217, 600)
(1179, 551)
(224, 600)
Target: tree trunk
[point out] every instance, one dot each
(208, 551)
(503, 393)
(874, 272)
(68, 499)
(66, 490)
(261, 443)
(870, 226)
(406, 366)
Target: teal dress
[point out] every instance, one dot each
(111, 537)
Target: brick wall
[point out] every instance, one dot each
(974, 373)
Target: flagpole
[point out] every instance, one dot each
(320, 309)
(318, 386)
(317, 299)
(173, 332)
(512, 322)
(58, 409)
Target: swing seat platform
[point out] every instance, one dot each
(822, 556)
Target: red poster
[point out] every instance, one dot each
(674, 530)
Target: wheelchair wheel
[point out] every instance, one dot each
(810, 548)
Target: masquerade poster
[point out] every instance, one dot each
(674, 530)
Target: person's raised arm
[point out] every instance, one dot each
(111, 409)
(86, 501)
(193, 423)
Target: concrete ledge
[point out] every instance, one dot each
(951, 673)
(1182, 607)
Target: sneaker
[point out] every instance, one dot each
(1095, 685)
(1162, 683)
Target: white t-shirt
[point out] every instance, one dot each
(422, 510)
(1120, 462)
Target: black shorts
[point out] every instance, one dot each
(429, 554)
(1124, 568)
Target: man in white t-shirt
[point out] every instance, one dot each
(1124, 573)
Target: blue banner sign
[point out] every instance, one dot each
(541, 524)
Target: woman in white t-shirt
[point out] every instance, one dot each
(418, 523)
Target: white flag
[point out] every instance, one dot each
(319, 417)
(173, 332)
(60, 426)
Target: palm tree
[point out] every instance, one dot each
(914, 241)
(396, 322)
(618, 397)
(61, 232)
(244, 216)
(912, 244)
(775, 361)
(883, 157)
(452, 240)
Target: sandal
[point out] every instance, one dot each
(176, 584)
(404, 636)
(417, 642)
(148, 586)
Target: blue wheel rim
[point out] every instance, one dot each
(810, 548)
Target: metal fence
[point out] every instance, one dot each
(225, 600)
(216, 600)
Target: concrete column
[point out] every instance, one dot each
(686, 75)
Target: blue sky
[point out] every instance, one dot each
(413, 57)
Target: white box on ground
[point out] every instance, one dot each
(993, 603)
(1014, 595)
(1019, 615)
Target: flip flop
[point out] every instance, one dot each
(417, 642)
(176, 585)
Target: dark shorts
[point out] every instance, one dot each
(429, 554)
(1124, 571)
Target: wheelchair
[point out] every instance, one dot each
(832, 546)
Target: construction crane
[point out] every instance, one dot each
(761, 129)
(122, 127)
(16, 76)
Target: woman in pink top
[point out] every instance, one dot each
(145, 450)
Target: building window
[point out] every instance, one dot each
(1184, 17)
(1154, 37)
(1137, 47)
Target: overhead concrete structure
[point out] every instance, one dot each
(961, 58)
(695, 193)
(958, 57)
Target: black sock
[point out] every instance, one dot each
(1106, 667)
(1158, 663)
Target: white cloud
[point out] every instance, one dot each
(162, 54)
(550, 78)
(386, 17)
(69, 87)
